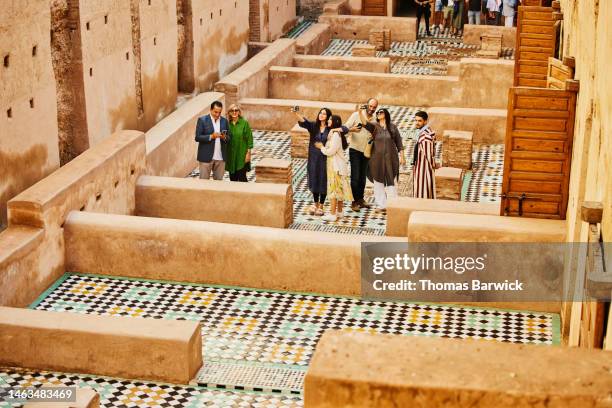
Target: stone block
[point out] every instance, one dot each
(125, 347)
(363, 50)
(380, 38)
(457, 149)
(271, 170)
(299, 142)
(491, 42)
(409, 371)
(448, 183)
(193, 199)
(400, 208)
(491, 54)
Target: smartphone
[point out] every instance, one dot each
(364, 106)
(359, 125)
(295, 108)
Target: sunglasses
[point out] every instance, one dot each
(234, 110)
(380, 111)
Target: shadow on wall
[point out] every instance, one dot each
(121, 117)
(20, 171)
(159, 95)
(209, 60)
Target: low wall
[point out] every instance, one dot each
(215, 253)
(314, 40)
(400, 208)
(102, 179)
(472, 34)
(255, 47)
(251, 79)
(410, 371)
(165, 350)
(482, 83)
(358, 27)
(217, 201)
(430, 227)
(367, 64)
(170, 146)
(487, 125)
(337, 7)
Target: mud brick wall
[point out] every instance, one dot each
(28, 115)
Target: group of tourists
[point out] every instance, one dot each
(374, 145)
(452, 14)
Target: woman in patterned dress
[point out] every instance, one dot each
(338, 185)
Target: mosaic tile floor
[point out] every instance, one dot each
(299, 29)
(257, 344)
(484, 184)
(426, 56)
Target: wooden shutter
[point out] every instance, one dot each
(536, 41)
(538, 154)
(374, 8)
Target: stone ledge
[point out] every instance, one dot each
(409, 371)
(165, 350)
(430, 227)
(217, 201)
(400, 208)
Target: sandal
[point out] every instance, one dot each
(312, 210)
(319, 212)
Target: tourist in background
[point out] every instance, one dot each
(474, 8)
(239, 148)
(509, 11)
(457, 28)
(438, 8)
(448, 14)
(423, 9)
(493, 6)
(338, 187)
(358, 139)
(386, 156)
(316, 168)
(423, 180)
(213, 136)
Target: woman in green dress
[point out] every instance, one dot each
(238, 160)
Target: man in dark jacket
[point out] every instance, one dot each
(212, 134)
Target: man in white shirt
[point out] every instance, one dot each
(358, 138)
(212, 134)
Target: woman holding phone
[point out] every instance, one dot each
(316, 168)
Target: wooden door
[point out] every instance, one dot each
(538, 154)
(374, 8)
(536, 41)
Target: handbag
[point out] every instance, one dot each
(367, 152)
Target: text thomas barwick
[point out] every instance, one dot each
(428, 285)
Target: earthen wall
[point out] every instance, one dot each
(158, 62)
(109, 84)
(28, 115)
(220, 39)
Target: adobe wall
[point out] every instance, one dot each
(29, 137)
(314, 40)
(358, 27)
(158, 62)
(106, 50)
(32, 248)
(487, 125)
(472, 34)
(281, 18)
(587, 36)
(251, 79)
(205, 252)
(220, 37)
(481, 83)
(368, 64)
(413, 371)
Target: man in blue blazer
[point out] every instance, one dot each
(213, 136)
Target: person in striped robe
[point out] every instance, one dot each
(423, 180)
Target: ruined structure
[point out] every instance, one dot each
(124, 275)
